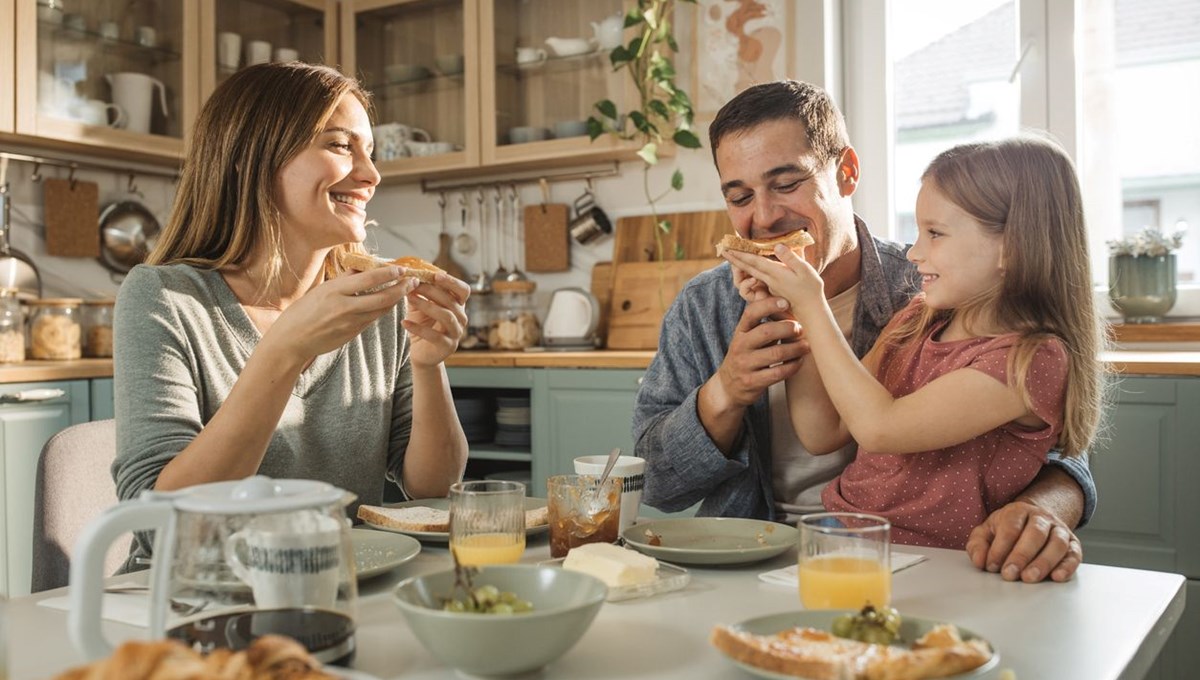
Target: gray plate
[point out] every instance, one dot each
(711, 540)
(377, 552)
(911, 629)
(444, 504)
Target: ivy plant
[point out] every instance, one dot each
(664, 110)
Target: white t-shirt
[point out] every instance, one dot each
(797, 476)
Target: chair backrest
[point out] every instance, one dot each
(74, 485)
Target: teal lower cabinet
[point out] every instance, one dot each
(1147, 471)
(102, 398)
(583, 412)
(30, 413)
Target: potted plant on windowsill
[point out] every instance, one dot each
(1141, 274)
(663, 111)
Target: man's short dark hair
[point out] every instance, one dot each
(806, 103)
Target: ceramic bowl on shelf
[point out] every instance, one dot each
(404, 73)
(564, 605)
(449, 64)
(523, 134)
(570, 128)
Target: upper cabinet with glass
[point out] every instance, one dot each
(419, 59)
(238, 33)
(107, 74)
(548, 65)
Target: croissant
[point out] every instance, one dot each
(270, 657)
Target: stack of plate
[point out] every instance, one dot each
(512, 421)
(475, 414)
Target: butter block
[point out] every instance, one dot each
(614, 565)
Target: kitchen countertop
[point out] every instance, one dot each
(1174, 363)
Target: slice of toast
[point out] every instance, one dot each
(796, 240)
(412, 518)
(413, 266)
(537, 517)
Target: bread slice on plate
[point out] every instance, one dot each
(797, 240)
(413, 266)
(411, 518)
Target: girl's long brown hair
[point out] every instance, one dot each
(1025, 190)
(226, 210)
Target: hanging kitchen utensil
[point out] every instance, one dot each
(501, 273)
(546, 239)
(482, 283)
(511, 237)
(465, 242)
(128, 232)
(16, 269)
(71, 209)
(443, 258)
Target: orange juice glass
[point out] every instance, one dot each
(845, 561)
(487, 522)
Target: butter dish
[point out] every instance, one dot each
(668, 578)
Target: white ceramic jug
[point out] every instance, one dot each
(610, 32)
(133, 92)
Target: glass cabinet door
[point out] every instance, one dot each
(419, 59)
(8, 100)
(238, 33)
(548, 62)
(115, 73)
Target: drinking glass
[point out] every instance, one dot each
(844, 561)
(487, 522)
(581, 511)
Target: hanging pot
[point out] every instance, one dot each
(16, 269)
(128, 232)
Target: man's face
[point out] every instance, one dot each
(774, 184)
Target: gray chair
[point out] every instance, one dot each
(74, 485)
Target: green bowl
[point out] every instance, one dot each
(564, 604)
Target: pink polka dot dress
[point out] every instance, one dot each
(935, 498)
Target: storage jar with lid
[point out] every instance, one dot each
(479, 315)
(98, 328)
(514, 323)
(12, 327)
(54, 328)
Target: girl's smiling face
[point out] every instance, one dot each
(323, 191)
(958, 259)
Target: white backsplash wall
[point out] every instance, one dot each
(407, 219)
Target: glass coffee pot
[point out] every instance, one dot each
(232, 561)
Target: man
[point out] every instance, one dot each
(711, 415)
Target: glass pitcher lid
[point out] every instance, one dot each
(255, 495)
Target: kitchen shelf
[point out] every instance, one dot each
(113, 46)
(549, 65)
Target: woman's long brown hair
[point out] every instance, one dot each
(226, 211)
(1025, 190)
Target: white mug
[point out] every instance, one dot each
(229, 50)
(631, 470)
(529, 55)
(288, 561)
(109, 30)
(258, 52)
(56, 96)
(286, 54)
(134, 93)
(391, 140)
(95, 112)
(146, 36)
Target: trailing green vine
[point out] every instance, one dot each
(664, 111)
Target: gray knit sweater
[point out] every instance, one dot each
(181, 340)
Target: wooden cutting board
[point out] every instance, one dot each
(695, 232)
(641, 294)
(72, 218)
(602, 284)
(546, 241)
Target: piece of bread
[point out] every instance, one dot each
(413, 266)
(412, 518)
(796, 240)
(537, 517)
(819, 655)
(270, 657)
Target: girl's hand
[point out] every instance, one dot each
(333, 313)
(791, 278)
(436, 319)
(749, 288)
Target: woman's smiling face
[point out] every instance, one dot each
(323, 191)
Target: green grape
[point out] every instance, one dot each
(843, 625)
(877, 626)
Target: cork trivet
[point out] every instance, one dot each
(546, 243)
(72, 214)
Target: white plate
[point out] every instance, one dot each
(377, 552)
(711, 540)
(444, 504)
(668, 578)
(910, 629)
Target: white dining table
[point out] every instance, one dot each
(1107, 623)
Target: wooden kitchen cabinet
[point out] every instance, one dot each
(438, 118)
(8, 102)
(25, 426)
(72, 60)
(235, 33)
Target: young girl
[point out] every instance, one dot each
(989, 367)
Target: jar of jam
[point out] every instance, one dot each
(55, 331)
(12, 327)
(98, 328)
(514, 323)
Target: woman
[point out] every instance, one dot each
(244, 348)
